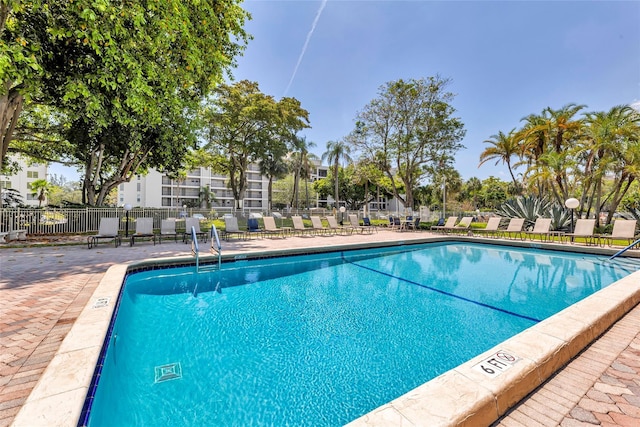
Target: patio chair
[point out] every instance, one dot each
(144, 229)
(542, 228)
(623, 229)
(413, 225)
(448, 225)
(253, 227)
(337, 228)
(168, 229)
(394, 222)
(366, 223)
(108, 229)
(270, 227)
(492, 228)
(299, 227)
(195, 223)
(514, 229)
(231, 229)
(319, 228)
(584, 229)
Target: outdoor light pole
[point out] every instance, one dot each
(342, 209)
(572, 203)
(127, 208)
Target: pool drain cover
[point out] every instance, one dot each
(172, 371)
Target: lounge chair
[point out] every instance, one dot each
(299, 227)
(355, 224)
(448, 225)
(270, 227)
(195, 223)
(319, 228)
(584, 229)
(231, 229)
(492, 228)
(366, 223)
(542, 228)
(108, 229)
(144, 228)
(463, 225)
(514, 229)
(168, 229)
(623, 229)
(253, 227)
(337, 228)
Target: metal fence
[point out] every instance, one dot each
(46, 221)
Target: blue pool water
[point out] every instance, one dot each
(321, 339)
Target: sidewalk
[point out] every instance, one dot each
(43, 289)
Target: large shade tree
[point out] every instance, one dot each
(245, 126)
(111, 67)
(410, 128)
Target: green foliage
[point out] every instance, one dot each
(243, 125)
(531, 207)
(138, 69)
(527, 207)
(409, 129)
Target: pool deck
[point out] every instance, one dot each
(43, 290)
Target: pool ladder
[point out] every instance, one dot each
(215, 248)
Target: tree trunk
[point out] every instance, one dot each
(10, 108)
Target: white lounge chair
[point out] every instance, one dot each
(514, 229)
(542, 228)
(195, 224)
(270, 227)
(108, 229)
(492, 228)
(144, 228)
(168, 229)
(623, 229)
(231, 228)
(341, 229)
(448, 225)
(584, 229)
(319, 228)
(299, 227)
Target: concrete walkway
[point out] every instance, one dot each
(43, 289)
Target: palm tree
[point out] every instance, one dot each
(272, 167)
(206, 196)
(504, 147)
(336, 151)
(299, 160)
(40, 188)
(611, 148)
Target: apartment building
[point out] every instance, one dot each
(21, 181)
(158, 190)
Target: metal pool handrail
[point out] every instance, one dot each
(621, 251)
(195, 250)
(217, 248)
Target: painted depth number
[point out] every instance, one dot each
(496, 364)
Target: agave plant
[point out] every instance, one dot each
(528, 207)
(560, 217)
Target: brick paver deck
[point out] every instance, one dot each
(43, 289)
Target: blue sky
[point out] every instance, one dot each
(506, 59)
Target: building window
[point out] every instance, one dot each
(32, 174)
(5, 184)
(121, 187)
(139, 186)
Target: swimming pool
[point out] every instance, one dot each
(268, 334)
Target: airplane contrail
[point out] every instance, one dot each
(306, 43)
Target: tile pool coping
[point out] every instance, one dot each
(461, 396)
